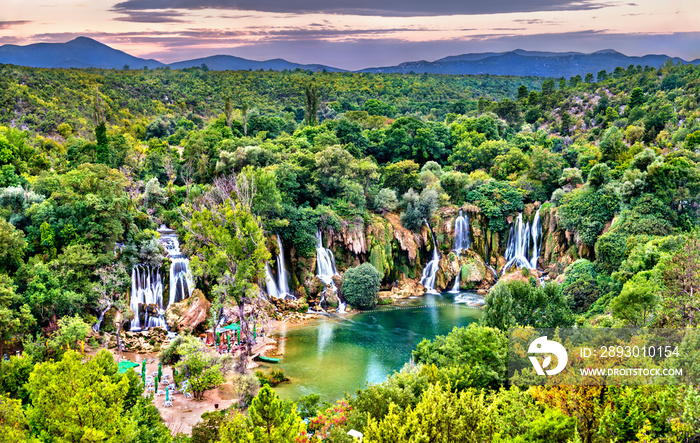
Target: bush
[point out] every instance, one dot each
(360, 286)
(386, 200)
(418, 208)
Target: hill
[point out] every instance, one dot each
(232, 63)
(528, 63)
(81, 52)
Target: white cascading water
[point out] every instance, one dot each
(427, 278)
(181, 280)
(536, 232)
(270, 283)
(325, 269)
(146, 289)
(462, 237)
(523, 249)
(278, 288)
(462, 242)
(147, 283)
(455, 287)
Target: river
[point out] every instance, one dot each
(340, 354)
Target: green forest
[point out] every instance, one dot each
(251, 169)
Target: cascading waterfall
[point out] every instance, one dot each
(181, 280)
(147, 289)
(278, 288)
(147, 284)
(325, 269)
(270, 283)
(462, 237)
(282, 283)
(427, 278)
(536, 239)
(455, 287)
(462, 242)
(524, 243)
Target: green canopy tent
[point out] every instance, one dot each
(125, 365)
(231, 327)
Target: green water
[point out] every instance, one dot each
(338, 355)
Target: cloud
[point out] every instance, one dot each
(152, 17)
(389, 8)
(13, 23)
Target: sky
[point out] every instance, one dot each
(355, 34)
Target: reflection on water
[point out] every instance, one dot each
(336, 356)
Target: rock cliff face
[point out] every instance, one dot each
(188, 314)
(400, 254)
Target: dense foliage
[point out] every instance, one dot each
(93, 161)
(360, 285)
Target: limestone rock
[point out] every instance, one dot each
(186, 315)
(405, 289)
(517, 275)
(408, 240)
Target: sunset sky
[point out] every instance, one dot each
(353, 34)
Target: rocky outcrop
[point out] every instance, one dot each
(188, 314)
(471, 268)
(405, 288)
(522, 275)
(146, 342)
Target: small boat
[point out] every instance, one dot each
(267, 359)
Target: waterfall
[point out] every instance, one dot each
(524, 243)
(462, 237)
(325, 269)
(455, 287)
(325, 262)
(181, 284)
(536, 239)
(271, 285)
(147, 283)
(427, 278)
(181, 280)
(147, 290)
(278, 288)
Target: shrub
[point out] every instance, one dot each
(386, 200)
(418, 208)
(360, 285)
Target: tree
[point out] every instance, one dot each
(102, 150)
(401, 176)
(12, 246)
(202, 368)
(636, 98)
(270, 421)
(680, 304)
(111, 289)
(482, 349)
(230, 247)
(637, 301)
(13, 422)
(16, 319)
(418, 208)
(441, 416)
(498, 312)
(72, 401)
(311, 92)
(360, 285)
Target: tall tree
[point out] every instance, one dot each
(311, 104)
(230, 247)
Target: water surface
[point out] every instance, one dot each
(337, 355)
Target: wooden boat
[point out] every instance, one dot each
(267, 359)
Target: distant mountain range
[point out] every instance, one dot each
(84, 52)
(530, 63)
(81, 52)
